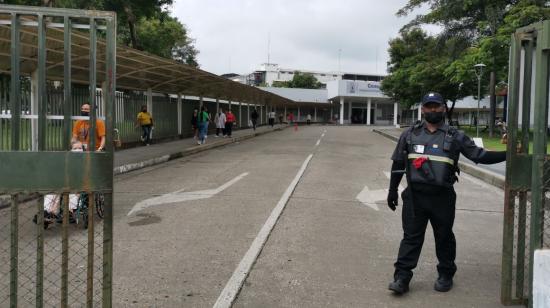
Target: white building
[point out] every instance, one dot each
(271, 72)
(343, 102)
(346, 97)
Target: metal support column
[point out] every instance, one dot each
(369, 103)
(341, 111)
(180, 116)
(395, 110)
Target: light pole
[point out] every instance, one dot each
(479, 71)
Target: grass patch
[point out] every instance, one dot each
(493, 144)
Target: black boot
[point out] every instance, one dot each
(399, 286)
(443, 283)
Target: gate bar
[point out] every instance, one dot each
(15, 105)
(14, 250)
(109, 97)
(93, 85)
(65, 253)
(15, 95)
(91, 246)
(522, 206)
(42, 107)
(539, 153)
(67, 85)
(509, 195)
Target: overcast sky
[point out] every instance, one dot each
(232, 35)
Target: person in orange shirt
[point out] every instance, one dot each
(81, 130)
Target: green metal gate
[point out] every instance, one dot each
(527, 203)
(64, 265)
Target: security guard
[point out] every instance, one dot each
(429, 153)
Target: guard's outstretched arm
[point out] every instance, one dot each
(492, 157)
(479, 155)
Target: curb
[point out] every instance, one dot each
(486, 176)
(5, 200)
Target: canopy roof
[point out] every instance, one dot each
(135, 70)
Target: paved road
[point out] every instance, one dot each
(327, 248)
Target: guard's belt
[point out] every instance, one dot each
(432, 157)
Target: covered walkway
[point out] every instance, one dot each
(171, 90)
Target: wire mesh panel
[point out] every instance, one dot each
(56, 234)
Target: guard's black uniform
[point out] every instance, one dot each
(432, 159)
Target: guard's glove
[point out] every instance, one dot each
(393, 196)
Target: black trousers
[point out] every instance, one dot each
(228, 128)
(271, 121)
(439, 209)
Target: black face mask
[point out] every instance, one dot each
(84, 113)
(434, 117)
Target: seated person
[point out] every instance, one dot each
(81, 131)
(52, 202)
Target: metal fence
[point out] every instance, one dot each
(128, 104)
(527, 188)
(43, 263)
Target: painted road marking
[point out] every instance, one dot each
(233, 286)
(322, 135)
(370, 198)
(180, 196)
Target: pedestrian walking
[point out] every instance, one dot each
(195, 124)
(308, 119)
(281, 116)
(202, 119)
(429, 152)
(271, 117)
(145, 121)
(290, 118)
(230, 121)
(220, 119)
(254, 118)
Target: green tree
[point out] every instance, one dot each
(417, 65)
(142, 24)
(300, 80)
(486, 25)
(167, 37)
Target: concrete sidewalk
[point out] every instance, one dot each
(491, 176)
(140, 157)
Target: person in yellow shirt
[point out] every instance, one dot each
(145, 120)
(81, 131)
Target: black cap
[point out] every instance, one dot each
(433, 97)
